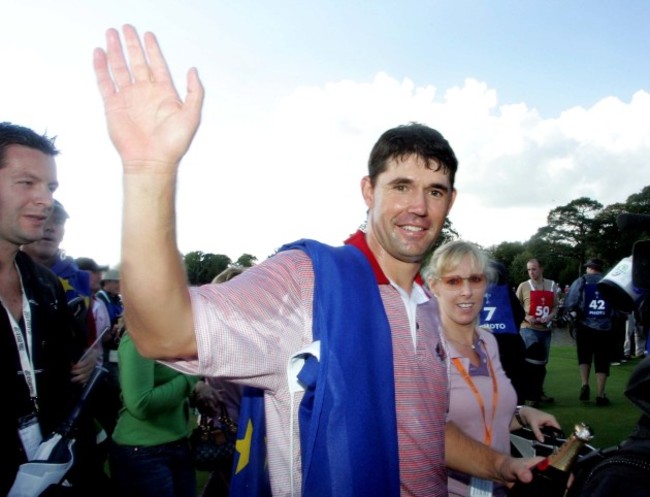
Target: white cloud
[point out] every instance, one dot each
(253, 181)
(295, 172)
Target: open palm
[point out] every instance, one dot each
(148, 123)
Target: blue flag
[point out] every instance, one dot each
(347, 418)
(250, 474)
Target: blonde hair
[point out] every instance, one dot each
(449, 256)
(228, 274)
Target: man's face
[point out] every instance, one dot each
(535, 271)
(95, 280)
(112, 287)
(27, 183)
(47, 247)
(407, 208)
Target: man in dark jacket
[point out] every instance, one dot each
(38, 342)
(594, 337)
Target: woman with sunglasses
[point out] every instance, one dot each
(482, 399)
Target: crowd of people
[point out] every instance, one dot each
(380, 374)
(63, 320)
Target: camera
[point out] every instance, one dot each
(626, 285)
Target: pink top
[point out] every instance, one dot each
(464, 408)
(248, 328)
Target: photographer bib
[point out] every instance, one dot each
(594, 305)
(497, 315)
(541, 301)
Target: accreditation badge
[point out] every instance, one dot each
(479, 487)
(30, 434)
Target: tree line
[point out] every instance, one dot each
(574, 233)
(202, 267)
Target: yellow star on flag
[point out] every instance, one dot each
(66, 284)
(243, 446)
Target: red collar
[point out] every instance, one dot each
(359, 241)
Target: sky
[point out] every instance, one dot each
(543, 102)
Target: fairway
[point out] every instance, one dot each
(611, 424)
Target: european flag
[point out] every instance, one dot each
(250, 475)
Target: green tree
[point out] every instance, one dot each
(447, 233)
(610, 244)
(246, 260)
(192, 261)
(517, 271)
(639, 203)
(506, 252)
(555, 255)
(201, 267)
(213, 264)
(570, 229)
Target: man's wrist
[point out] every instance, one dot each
(503, 472)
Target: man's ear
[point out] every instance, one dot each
(368, 191)
(452, 200)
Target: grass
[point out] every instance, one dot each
(611, 424)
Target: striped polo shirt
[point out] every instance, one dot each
(248, 328)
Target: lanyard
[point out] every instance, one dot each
(477, 395)
(24, 342)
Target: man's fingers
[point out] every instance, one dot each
(158, 65)
(138, 62)
(103, 76)
(116, 61)
(195, 94)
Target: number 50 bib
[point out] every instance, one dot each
(541, 303)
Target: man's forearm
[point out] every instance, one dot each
(157, 307)
(152, 129)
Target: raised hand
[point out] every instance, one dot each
(150, 126)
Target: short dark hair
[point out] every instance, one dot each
(408, 139)
(12, 134)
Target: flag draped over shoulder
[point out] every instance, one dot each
(347, 418)
(348, 422)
